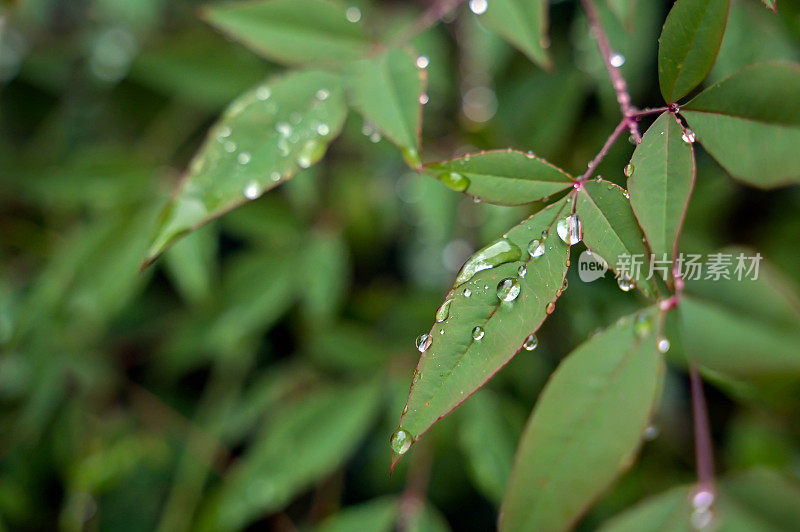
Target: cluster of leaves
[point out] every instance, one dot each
(186, 415)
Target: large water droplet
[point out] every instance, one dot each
(508, 289)
(467, 292)
(454, 180)
(625, 283)
(569, 229)
(536, 248)
(311, 152)
(477, 333)
(423, 342)
(663, 345)
(401, 441)
(252, 190)
(499, 252)
(478, 7)
(688, 136)
(444, 311)
(629, 168)
(531, 343)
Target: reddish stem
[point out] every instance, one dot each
(431, 16)
(702, 433)
(621, 127)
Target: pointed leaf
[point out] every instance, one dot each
(291, 31)
(503, 177)
(743, 328)
(586, 427)
(523, 23)
(265, 137)
(386, 89)
(610, 229)
(689, 45)
(771, 4)
(661, 182)
(461, 360)
(750, 123)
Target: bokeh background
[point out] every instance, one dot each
(272, 351)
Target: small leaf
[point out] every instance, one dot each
(750, 123)
(291, 31)
(661, 183)
(689, 45)
(771, 4)
(479, 333)
(326, 276)
(503, 177)
(523, 23)
(317, 432)
(378, 515)
(264, 138)
(386, 89)
(743, 328)
(578, 439)
(610, 229)
(192, 265)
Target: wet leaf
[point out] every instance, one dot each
(264, 138)
(576, 441)
(386, 89)
(291, 31)
(503, 177)
(750, 123)
(661, 183)
(610, 229)
(481, 333)
(523, 23)
(689, 45)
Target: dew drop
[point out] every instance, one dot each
(629, 170)
(703, 498)
(499, 252)
(229, 146)
(569, 229)
(701, 518)
(531, 343)
(284, 129)
(478, 7)
(467, 292)
(688, 136)
(353, 14)
(263, 93)
(508, 289)
(423, 62)
(375, 137)
(423, 342)
(454, 180)
(617, 60)
(663, 345)
(243, 157)
(401, 441)
(424, 99)
(323, 94)
(224, 132)
(651, 433)
(311, 152)
(564, 285)
(535, 249)
(275, 176)
(444, 311)
(323, 129)
(477, 333)
(522, 271)
(627, 194)
(252, 190)
(625, 283)
(550, 307)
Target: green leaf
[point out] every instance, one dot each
(660, 183)
(462, 359)
(264, 138)
(291, 31)
(523, 23)
(625, 10)
(750, 123)
(326, 276)
(305, 441)
(386, 89)
(192, 264)
(771, 4)
(610, 229)
(503, 177)
(578, 439)
(743, 328)
(689, 45)
(378, 515)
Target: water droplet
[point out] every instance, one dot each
(423, 62)
(423, 342)
(535, 249)
(688, 136)
(283, 147)
(522, 271)
(498, 252)
(284, 129)
(617, 60)
(701, 518)
(467, 292)
(550, 307)
(651, 433)
(477, 333)
(353, 14)
(564, 285)
(229, 146)
(627, 194)
(252, 190)
(531, 343)
(454, 180)
(243, 157)
(444, 311)
(401, 441)
(275, 176)
(323, 94)
(508, 289)
(311, 152)
(424, 99)
(629, 170)
(625, 283)
(663, 345)
(478, 7)
(569, 229)
(224, 132)
(263, 93)
(643, 325)
(375, 137)
(323, 129)
(703, 498)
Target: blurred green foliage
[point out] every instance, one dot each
(252, 377)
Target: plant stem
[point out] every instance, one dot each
(431, 16)
(702, 433)
(618, 82)
(621, 127)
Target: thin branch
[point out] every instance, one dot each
(621, 127)
(431, 16)
(620, 86)
(702, 433)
